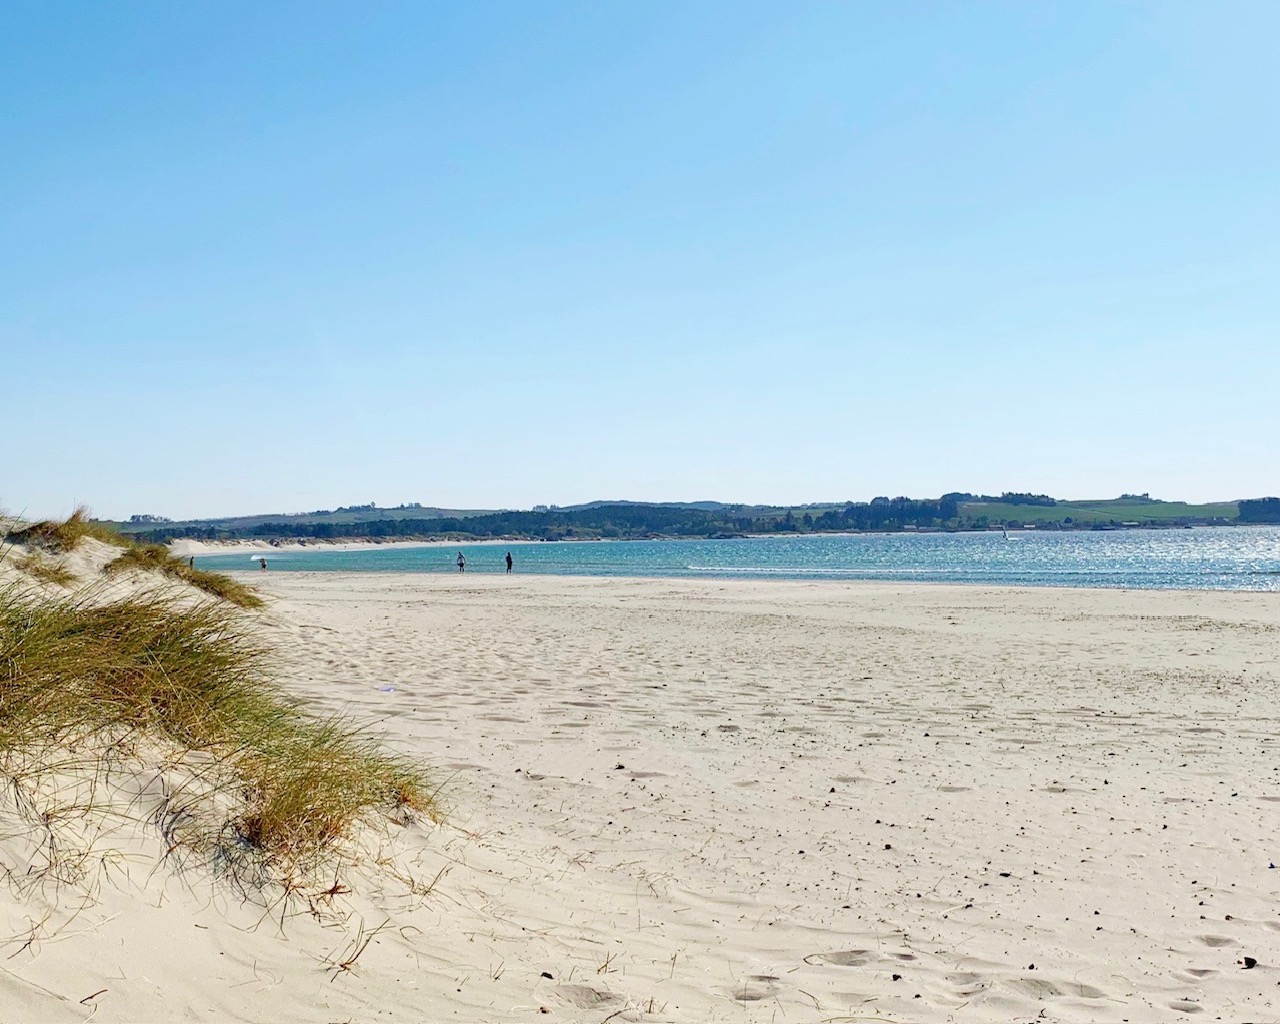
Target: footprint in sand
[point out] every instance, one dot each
(1080, 991)
(1037, 988)
(1217, 941)
(755, 988)
(968, 984)
(585, 997)
(843, 958)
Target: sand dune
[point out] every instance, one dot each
(736, 801)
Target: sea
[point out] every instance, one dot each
(1208, 558)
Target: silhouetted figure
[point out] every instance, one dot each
(262, 563)
(509, 561)
(462, 561)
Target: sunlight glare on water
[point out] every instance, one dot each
(1216, 558)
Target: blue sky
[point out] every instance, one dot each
(277, 257)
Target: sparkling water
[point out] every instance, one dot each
(1213, 558)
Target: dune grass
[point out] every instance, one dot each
(58, 537)
(81, 676)
(65, 535)
(47, 572)
(157, 558)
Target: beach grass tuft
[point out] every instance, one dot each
(310, 781)
(47, 572)
(82, 676)
(157, 558)
(60, 536)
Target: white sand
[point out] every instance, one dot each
(723, 801)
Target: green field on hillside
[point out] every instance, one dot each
(1087, 511)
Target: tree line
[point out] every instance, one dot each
(602, 522)
(1260, 510)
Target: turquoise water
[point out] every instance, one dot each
(1226, 558)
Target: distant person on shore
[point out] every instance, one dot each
(262, 563)
(509, 561)
(462, 562)
(191, 562)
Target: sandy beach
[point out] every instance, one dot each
(699, 801)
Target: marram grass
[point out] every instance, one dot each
(62, 536)
(157, 558)
(47, 572)
(80, 676)
(56, 537)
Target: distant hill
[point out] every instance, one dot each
(638, 519)
(345, 515)
(349, 514)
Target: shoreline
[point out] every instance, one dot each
(185, 547)
(724, 581)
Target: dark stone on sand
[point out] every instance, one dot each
(1250, 963)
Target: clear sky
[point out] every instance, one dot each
(260, 257)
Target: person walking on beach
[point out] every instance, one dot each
(462, 561)
(262, 562)
(509, 560)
